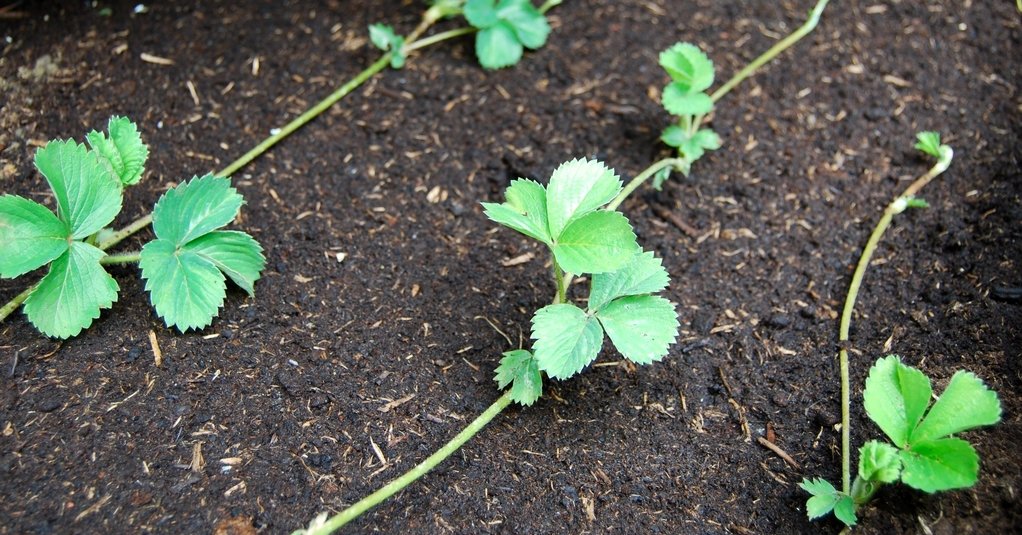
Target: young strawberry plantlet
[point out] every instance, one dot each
(921, 454)
(184, 268)
(896, 399)
(572, 217)
(512, 13)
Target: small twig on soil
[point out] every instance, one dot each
(14, 364)
(780, 453)
(674, 219)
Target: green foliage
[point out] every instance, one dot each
(506, 28)
(879, 461)
(928, 142)
(825, 498)
(519, 369)
(384, 38)
(122, 150)
(87, 188)
(691, 75)
(566, 217)
(88, 197)
(641, 326)
(185, 266)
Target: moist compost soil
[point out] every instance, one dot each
(388, 297)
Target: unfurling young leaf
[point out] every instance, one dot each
(824, 498)
(185, 266)
(519, 369)
(88, 196)
(928, 142)
(384, 38)
(879, 462)
(688, 66)
(122, 149)
(505, 29)
(897, 397)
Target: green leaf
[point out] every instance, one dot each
(642, 327)
(598, 242)
(678, 101)
(481, 14)
(707, 139)
(524, 211)
(529, 24)
(566, 339)
(72, 294)
(384, 38)
(916, 202)
(30, 236)
(674, 136)
(879, 461)
(644, 274)
(966, 403)
(943, 464)
(88, 194)
(184, 267)
(498, 46)
(660, 177)
(577, 188)
(123, 151)
(896, 397)
(235, 253)
(186, 288)
(688, 66)
(194, 208)
(929, 143)
(520, 369)
(844, 510)
(824, 498)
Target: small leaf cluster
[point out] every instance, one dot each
(567, 217)
(922, 452)
(87, 187)
(506, 28)
(383, 37)
(685, 97)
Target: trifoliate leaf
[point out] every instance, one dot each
(184, 267)
(520, 369)
(929, 142)
(879, 461)
(123, 151)
(235, 253)
(498, 47)
(678, 101)
(30, 236)
(72, 294)
(966, 403)
(644, 274)
(384, 38)
(943, 464)
(186, 289)
(577, 188)
(88, 194)
(598, 242)
(642, 327)
(823, 496)
(688, 66)
(896, 397)
(524, 211)
(195, 208)
(566, 339)
(505, 27)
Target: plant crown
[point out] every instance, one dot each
(87, 186)
(922, 452)
(584, 239)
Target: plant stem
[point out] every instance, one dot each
(123, 258)
(562, 284)
(642, 177)
(127, 231)
(420, 470)
(772, 52)
(895, 207)
(13, 304)
(438, 38)
(550, 4)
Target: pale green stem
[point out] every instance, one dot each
(13, 304)
(550, 4)
(438, 38)
(772, 52)
(896, 207)
(409, 477)
(127, 231)
(562, 284)
(123, 258)
(642, 177)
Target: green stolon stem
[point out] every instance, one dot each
(409, 477)
(642, 177)
(123, 258)
(893, 209)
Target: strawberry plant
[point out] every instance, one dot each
(921, 454)
(184, 268)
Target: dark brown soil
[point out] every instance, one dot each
(286, 395)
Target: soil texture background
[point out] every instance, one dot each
(388, 297)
